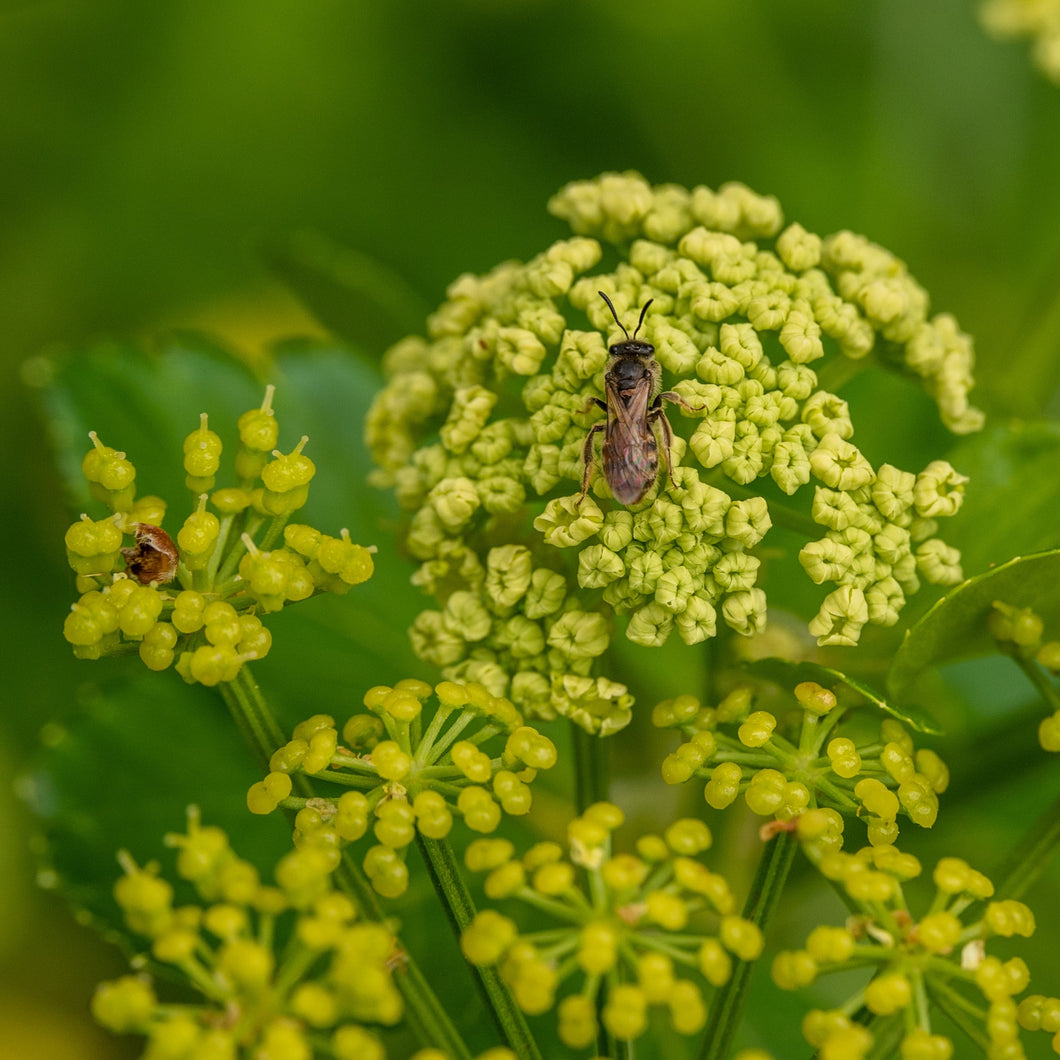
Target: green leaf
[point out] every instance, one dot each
(148, 745)
(145, 404)
(955, 627)
(352, 294)
(789, 674)
(122, 775)
(1010, 503)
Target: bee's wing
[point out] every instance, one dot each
(630, 452)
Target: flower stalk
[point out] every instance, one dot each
(460, 911)
(591, 770)
(766, 889)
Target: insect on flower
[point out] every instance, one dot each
(154, 559)
(630, 453)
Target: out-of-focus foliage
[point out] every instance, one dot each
(150, 154)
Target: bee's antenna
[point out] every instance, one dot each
(619, 322)
(642, 312)
(615, 315)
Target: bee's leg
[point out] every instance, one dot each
(676, 398)
(587, 457)
(656, 413)
(602, 405)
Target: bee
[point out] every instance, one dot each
(630, 452)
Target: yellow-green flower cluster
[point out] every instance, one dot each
(1038, 20)
(498, 1052)
(880, 540)
(405, 774)
(797, 768)
(512, 625)
(196, 600)
(1019, 632)
(329, 979)
(627, 928)
(939, 959)
(482, 425)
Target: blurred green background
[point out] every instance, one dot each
(149, 154)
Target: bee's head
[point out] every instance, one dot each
(630, 347)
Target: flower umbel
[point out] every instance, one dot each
(938, 960)
(628, 926)
(330, 979)
(481, 430)
(405, 775)
(197, 600)
(799, 769)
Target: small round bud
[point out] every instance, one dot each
(156, 648)
(757, 729)
(741, 937)
(939, 932)
(577, 1022)
(830, 944)
(714, 962)
(625, 1013)
(202, 451)
(814, 698)
(793, 969)
(124, 1005)
(486, 938)
(888, 993)
(258, 429)
(877, 799)
(724, 785)
(390, 761)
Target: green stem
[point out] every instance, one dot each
(427, 1016)
(238, 550)
(949, 1002)
(887, 1032)
(460, 909)
(274, 530)
(1030, 857)
(1042, 685)
(766, 889)
(251, 713)
(591, 768)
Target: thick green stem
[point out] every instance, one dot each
(460, 909)
(425, 1013)
(591, 768)
(766, 889)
